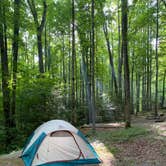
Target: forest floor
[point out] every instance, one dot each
(142, 145)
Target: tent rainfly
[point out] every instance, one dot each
(58, 143)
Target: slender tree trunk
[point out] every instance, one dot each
(39, 29)
(15, 59)
(110, 58)
(156, 58)
(137, 93)
(150, 86)
(143, 89)
(49, 51)
(105, 30)
(93, 65)
(150, 75)
(5, 73)
(64, 68)
(84, 72)
(45, 48)
(120, 59)
(163, 92)
(40, 52)
(132, 86)
(148, 71)
(69, 70)
(76, 81)
(73, 63)
(126, 62)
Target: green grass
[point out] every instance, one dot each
(119, 135)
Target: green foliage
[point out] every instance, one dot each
(40, 100)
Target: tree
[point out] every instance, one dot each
(156, 58)
(39, 29)
(163, 92)
(5, 72)
(106, 34)
(15, 45)
(93, 64)
(73, 63)
(105, 29)
(126, 62)
(120, 58)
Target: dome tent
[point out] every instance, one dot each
(58, 143)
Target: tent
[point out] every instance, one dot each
(58, 143)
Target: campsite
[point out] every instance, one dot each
(82, 82)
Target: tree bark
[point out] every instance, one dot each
(137, 92)
(39, 29)
(45, 48)
(87, 85)
(73, 63)
(110, 58)
(120, 58)
(132, 85)
(15, 59)
(126, 63)
(156, 58)
(5, 73)
(93, 65)
(163, 91)
(143, 88)
(148, 71)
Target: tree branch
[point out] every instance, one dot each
(43, 16)
(33, 11)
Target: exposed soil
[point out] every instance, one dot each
(11, 159)
(145, 151)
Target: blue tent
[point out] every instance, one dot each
(58, 143)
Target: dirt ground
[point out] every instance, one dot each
(144, 151)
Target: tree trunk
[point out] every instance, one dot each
(45, 48)
(84, 72)
(5, 73)
(137, 93)
(39, 29)
(40, 52)
(15, 58)
(120, 58)
(143, 89)
(69, 70)
(148, 71)
(163, 92)
(156, 58)
(73, 64)
(150, 76)
(110, 58)
(49, 51)
(126, 63)
(93, 66)
(132, 85)
(64, 69)
(105, 30)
